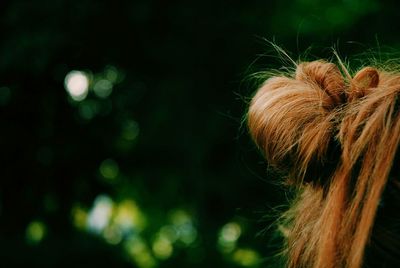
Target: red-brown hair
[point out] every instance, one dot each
(336, 136)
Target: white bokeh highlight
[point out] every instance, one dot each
(77, 85)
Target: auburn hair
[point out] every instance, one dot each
(336, 136)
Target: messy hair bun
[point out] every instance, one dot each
(292, 119)
(336, 137)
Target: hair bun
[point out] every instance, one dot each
(291, 120)
(324, 75)
(366, 79)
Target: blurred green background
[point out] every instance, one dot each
(122, 142)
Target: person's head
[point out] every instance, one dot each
(336, 136)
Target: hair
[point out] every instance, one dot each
(336, 136)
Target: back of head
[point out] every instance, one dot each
(336, 137)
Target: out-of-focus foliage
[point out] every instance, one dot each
(121, 134)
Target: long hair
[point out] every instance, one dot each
(336, 136)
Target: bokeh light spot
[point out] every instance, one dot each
(246, 257)
(230, 232)
(113, 235)
(109, 169)
(79, 217)
(183, 224)
(99, 216)
(180, 217)
(188, 234)
(170, 232)
(111, 74)
(88, 109)
(228, 236)
(128, 217)
(162, 248)
(130, 130)
(137, 249)
(103, 88)
(77, 85)
(35, 232)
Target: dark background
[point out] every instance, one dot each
(160, 172)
